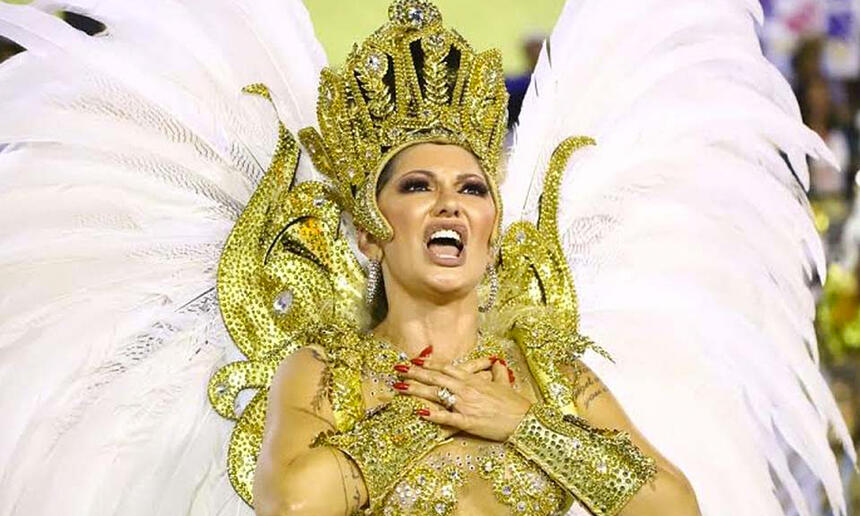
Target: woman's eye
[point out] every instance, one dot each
(475, 188)
(414, 185)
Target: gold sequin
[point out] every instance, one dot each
(602, 468)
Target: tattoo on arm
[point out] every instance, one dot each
(582, 384)
(356, 480)
(600, 391)
(342, 480)
(588, 388)
(322, 392)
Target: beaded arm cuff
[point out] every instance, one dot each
(384, 445)
(603, 469)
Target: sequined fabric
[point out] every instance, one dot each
(602, 468)
(434, 486)
(409, 471)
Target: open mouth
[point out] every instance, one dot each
(445, 243)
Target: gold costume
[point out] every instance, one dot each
(288, 279)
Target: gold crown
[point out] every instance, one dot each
(411, 81)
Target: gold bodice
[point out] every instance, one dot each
(469, 476)
(463, 475)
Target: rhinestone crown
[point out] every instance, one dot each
(411, 81)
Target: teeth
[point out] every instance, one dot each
(446, 233)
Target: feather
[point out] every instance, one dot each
(128, 158)
(689, 236)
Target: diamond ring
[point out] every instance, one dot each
(446, 397)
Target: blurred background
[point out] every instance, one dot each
(814, 43)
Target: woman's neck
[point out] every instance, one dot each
(413, 324)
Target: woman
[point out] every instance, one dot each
(432, 298)
(132, 155)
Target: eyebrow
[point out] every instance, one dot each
(460, 177)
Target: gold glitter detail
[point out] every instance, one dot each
(411, 81)
(431, 487)
(602, 468)
(518, 482)
(284, 270)
(536, 287)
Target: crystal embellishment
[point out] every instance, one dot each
(376, 64)
(415, 15)
(283, 302)
(220, 389)
(447, 491)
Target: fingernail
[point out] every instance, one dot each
(418, 361)
(502, 361)
(510, 376)
(493, 359)
(401, 386)
(426, 351)
(401, 368)
(423, 412)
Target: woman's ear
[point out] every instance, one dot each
(368, 246)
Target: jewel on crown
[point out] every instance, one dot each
(411, 81)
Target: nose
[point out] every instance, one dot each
(447, 204)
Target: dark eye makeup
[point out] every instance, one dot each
(475, 187)
(413, 184)
(419, 183)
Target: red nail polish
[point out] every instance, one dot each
(502, 361)
(425, 352)
(401, 368)
(493, 359)
(510, 376)
(418, 361)
(423, 412)
(401, 386)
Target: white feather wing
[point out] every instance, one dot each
(689, 236)
(130, 155)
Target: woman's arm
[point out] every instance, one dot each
(494, 411)
(293, 479)
(668, 493)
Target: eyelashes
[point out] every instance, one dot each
(476, 188)
(413, 184)
(416, 184)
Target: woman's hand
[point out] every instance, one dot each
(486, 405)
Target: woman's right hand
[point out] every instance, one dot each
(477, 367)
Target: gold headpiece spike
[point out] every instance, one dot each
(411, 81)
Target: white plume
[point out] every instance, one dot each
(130, 155)
(690, 238)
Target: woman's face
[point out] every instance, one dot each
(439, 205)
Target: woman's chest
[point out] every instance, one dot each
(469, 476)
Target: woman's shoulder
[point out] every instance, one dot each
(299, 380)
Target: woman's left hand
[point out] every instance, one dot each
(485, 407)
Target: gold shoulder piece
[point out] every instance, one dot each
(537, 294)
(285, 272)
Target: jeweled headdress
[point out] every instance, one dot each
(411, 81)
